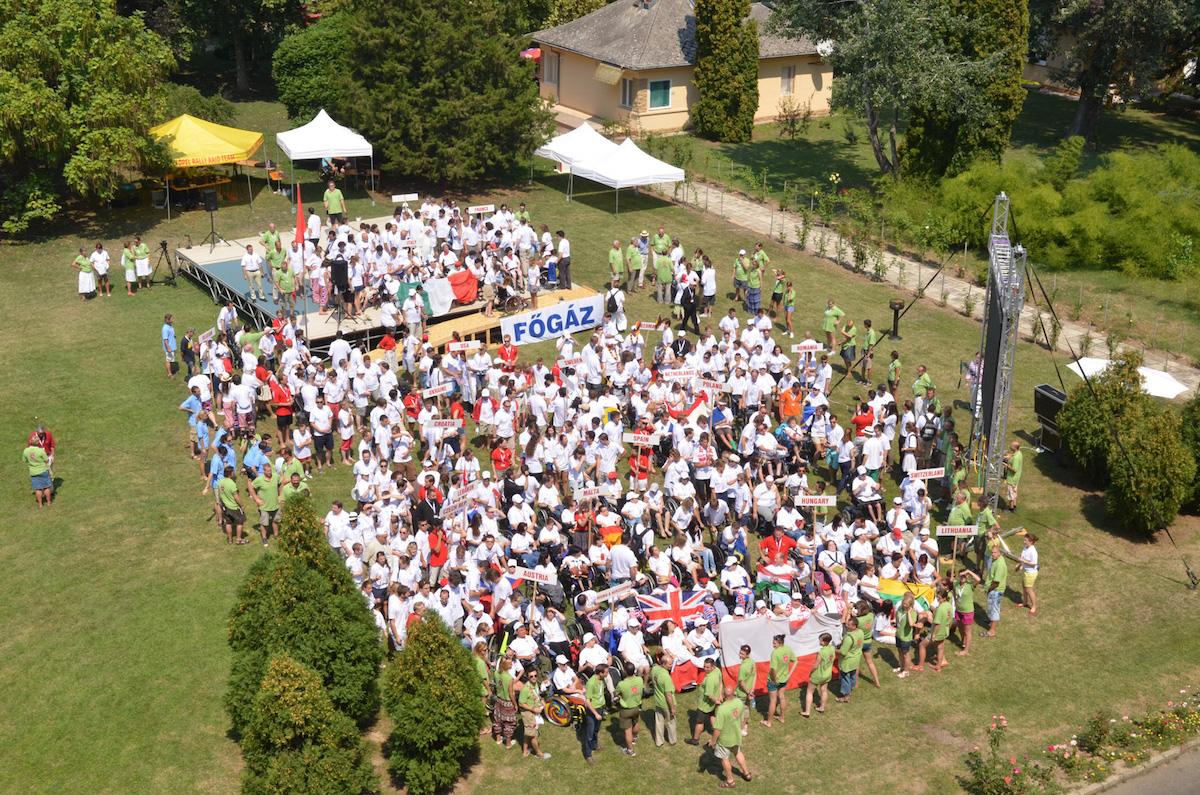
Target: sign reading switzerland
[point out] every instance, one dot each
(554, 321)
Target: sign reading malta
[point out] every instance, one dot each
(554, 321)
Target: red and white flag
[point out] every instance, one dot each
(758, 633)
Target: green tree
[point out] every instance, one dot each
(432, 696)
(303, 603)
(442, 90)
(250, 27)
(890, 56)
(726, 70)
(306, 63)
(938, 142)
(1189, 434)
(563, 11)
(1129, 44)
(183, 99)
(296, 742)
(1148, 488)
(302, 538)
(1086, 420)
(79, 87)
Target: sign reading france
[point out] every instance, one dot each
(554, 321)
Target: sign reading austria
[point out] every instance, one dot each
(554, 321)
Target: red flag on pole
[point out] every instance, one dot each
(300, 225)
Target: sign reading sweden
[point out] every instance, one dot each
(554, 321)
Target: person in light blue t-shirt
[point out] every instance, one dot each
(169, 344)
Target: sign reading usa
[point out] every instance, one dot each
(554, 321)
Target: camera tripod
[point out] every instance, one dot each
(213, 235)
(164, 256)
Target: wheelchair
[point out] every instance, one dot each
(564, 709)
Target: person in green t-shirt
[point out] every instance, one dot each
(783, 664)
(726, 739)
(87, 275)
(754, 276)
(593, 694)
(833, 319)
(964, 608)
(908, 621)
(616, 261)
(960, 514)
(294, 485)
(141, 262)
(1013, 464)
(231, 506)
(710, 697)
(747, 678)
(130, 268)
(894, 368)
(849, 333)
(633, 263)
(38, 461)
(870, 338)
(819, 676)
(269, 238)
(529, 703)
(664, 699)
(630, 691)
(850, 657)
(997, 581)
(335, 204)
(936, 639)
(741, 270)
(264, 490)
(664, 279)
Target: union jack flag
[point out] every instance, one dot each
(679, 606)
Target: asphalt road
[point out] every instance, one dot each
(1180, 776)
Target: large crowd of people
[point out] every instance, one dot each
(533, 473)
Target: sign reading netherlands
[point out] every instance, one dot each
(554, 321)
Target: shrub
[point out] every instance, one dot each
(1160, 472)
(994, 774)
(297, 743)
(303, 603)
(432, 695)
(1084, 418)
(304, 62)
(189, 100)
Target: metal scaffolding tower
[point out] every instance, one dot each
(998, 343)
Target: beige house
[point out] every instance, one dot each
(635, 60)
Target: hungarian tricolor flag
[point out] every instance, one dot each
(781, 583)
(892, 591)
(804, 640)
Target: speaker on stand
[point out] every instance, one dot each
(209, 197)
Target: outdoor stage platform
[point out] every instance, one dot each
(219, 273)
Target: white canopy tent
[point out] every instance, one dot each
(627, 167)
(1154, 382)
(582, 143)
(323, 137)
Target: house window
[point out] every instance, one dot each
(787, 81)
(626, 92)
(660, 94)
(551, 77)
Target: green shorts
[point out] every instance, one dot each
(627, 718)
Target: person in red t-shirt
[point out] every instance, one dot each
(641, 467)
(502, 458)
(508, 354)
(865, 418)
(412, 406)
(457, 412)
(281, 402)
(775, 543)
(439, 554)
(42, 438)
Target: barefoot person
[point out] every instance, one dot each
(783, 663)
(1029, 573)
(964, 608)
(934, 644)
(997, 580)
(726, 740)
(866, 620)
(822, 672)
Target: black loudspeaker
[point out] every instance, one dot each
(1049, 439)
(340, 274)
(1047, 401)
(210, 200)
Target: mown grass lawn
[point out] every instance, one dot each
(113, 657)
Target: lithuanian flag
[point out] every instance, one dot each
(893, 591)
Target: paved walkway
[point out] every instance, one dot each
(760, 218)
(1181, 776)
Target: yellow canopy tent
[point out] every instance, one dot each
(195, 142)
